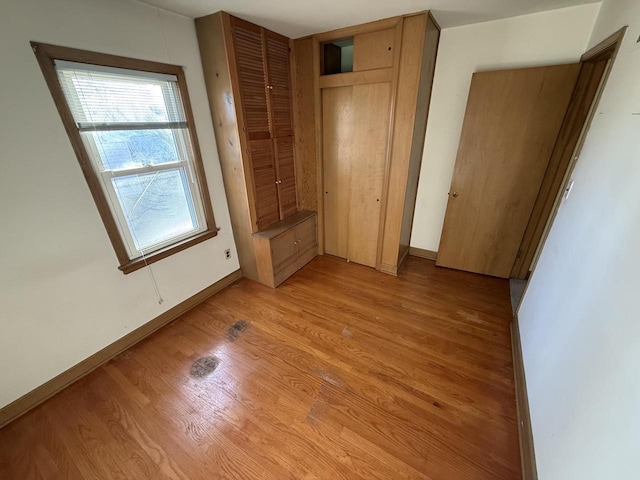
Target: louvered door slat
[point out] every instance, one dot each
(264, 182)
(279, 80)
(286, 171)
(251, 76)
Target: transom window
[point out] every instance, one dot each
(134, 132)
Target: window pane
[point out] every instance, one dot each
(100, 97)
(157, 206)
(120, 150)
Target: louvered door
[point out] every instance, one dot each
(252, 80)
(286, 173)
(264, 182)
(279, 84)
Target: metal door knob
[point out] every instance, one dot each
(455, 194)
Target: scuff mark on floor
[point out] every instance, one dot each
(347, 332)
(235, 329)
(204, 366)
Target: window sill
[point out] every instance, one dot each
(139, 263)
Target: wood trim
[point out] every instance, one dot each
(433, 19)
(45, 391)
(378, 75)
(525, 432)
(46, 55)
(609, 46)
(317, 92)
(384, 197)
(347, 32)
(388, 269)
(422, 253)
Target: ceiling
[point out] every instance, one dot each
(298, 18)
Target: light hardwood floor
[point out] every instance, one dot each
(341, 373)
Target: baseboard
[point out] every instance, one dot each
(388, 269)
(422, 253)
(45, 391)
(525, 434)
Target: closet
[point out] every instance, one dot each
(249, 84)
(371, 86)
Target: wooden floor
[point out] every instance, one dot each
(341, 373)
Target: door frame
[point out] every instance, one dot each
(607, 49)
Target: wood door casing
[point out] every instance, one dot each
(250, 64)
(264, 182)
(510, 128)
(355, 122)
(279, 84)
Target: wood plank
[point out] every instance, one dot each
(356, 78)
(279, 227)
(340, 373)
(511, 125)
(305, 134)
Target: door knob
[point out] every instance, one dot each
(455, 194)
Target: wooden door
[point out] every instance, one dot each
(250, 64)
(355, 133)
(279, 84)
(510, 128)
(265, 189)
(286, 173)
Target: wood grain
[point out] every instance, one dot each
(342, 373)
(304, 115)
(511, 124)
(374, 50)
(265, 189)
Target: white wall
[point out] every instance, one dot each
(555, 37)
(62, 297)
(580, 318)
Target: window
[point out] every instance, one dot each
(131, 127)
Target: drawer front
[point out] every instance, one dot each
(284, 255)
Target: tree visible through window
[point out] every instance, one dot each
(134, 131)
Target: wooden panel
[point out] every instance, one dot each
(264, 178)
(286, 174)
(307, 238)
(284, 255)
(419, 392)
(403, 162)
(510, 128)
(371, 105)
(374, 50)
(356, 78)
(579, 109)
(337, 140)
(249, 59)
(224, 110)
(279, 81)
(284, 225)
(305, 131)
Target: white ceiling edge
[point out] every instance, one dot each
(299, 18)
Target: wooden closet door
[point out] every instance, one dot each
(264, 182)
(355, 129)
(286, 174)
(250, 64)
(279, 84)
(337, 128)
(371, 105)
